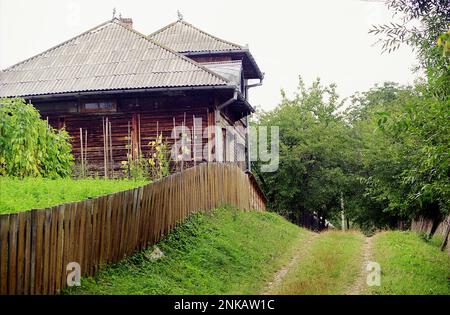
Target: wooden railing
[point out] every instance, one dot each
(36, 246)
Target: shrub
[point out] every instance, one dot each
(29, 146)
(153, 168)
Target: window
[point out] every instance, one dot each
(99, 106)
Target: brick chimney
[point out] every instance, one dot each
(127, 22)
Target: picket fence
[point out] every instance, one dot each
(36, 246)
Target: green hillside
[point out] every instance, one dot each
(226, 251)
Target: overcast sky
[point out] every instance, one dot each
(327, 38)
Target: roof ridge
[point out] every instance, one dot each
(59, 45)
(210, 35)
(173, 52)
(197, 29)
(163, 29)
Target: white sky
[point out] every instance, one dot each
(311, 38)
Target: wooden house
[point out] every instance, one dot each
(114, 89)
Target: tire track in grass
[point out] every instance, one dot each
(302, 246)
(328, 264)
(359, 285)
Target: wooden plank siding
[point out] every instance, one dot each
(37, 245)
(146, 117)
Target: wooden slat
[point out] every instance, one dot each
(59, 267)
(28, 262)
(21, 240)
(53, 251)
(12, 253)
(66, 243)
(4, 257)
(46, 251)
(82, 232)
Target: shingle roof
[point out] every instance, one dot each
(108, 57)
(184, 37)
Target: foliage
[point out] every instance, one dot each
(29, 146)
(418, 125)
(404, 167)
(225, 251)
(388, 152)
(34, 193)
(409, 265)
(421, 23)
(155, 167)
(315, 152)
(158, 160)
(135, 168)
(443, 41)
(423, 27)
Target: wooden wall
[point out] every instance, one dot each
(144, 116)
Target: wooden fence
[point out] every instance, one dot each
(37, 245)
(423, 225)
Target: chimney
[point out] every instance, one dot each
(127, 22)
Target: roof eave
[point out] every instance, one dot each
(121, 91)
(242, 99)
(246, 52)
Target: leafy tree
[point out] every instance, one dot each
(29, 146)
(387, 154)
(422, 125)
(315, 152)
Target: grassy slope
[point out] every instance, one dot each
(409, 265)
(226, 251)
(330, 266)
(18, 195)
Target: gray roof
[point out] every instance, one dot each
(108, 57)
(184, 37)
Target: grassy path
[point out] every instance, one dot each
(335, 263)
(298, 253)
(330, 264)
(228, 251)
(360, 284)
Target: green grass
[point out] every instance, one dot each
(409, 265)
(330, 265)
(226, 251)
(34, 193)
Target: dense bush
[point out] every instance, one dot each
(28, 145)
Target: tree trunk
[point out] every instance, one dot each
(447, 231)
(435, 215)
(342, 213)
(436, 222)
